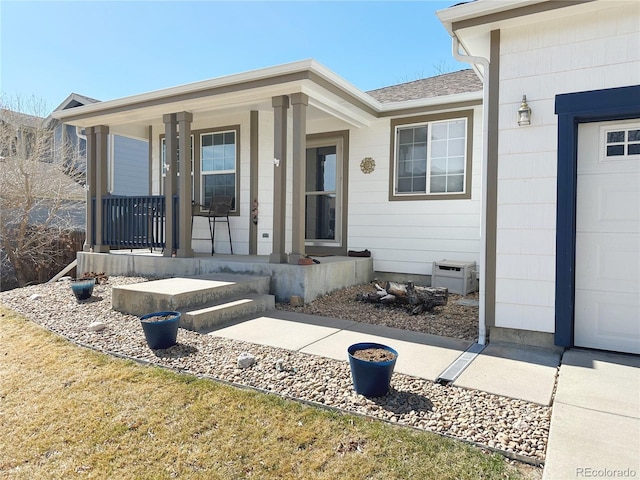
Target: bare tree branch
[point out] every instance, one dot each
(37, 196)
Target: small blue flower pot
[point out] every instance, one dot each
(83, 289)
(162, 333)
(371, 379)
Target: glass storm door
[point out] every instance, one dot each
(323, 211)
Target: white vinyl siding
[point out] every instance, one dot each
(408, 236)
(589, 51)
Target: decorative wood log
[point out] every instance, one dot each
(422, 298)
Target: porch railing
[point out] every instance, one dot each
(135, 222)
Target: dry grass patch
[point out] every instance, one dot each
(69, 412)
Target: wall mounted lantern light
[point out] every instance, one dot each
(524, 112)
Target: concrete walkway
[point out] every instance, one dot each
(500, 369)
(595, 424)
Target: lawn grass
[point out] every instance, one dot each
(68, 412)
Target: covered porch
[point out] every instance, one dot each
(246, 136)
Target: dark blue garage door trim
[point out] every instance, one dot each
(572, 109)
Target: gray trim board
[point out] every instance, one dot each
(515, 13)
(492, 180)
(341, 250)
(253, 178)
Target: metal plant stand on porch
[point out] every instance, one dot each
(218, 211)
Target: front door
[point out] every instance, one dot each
(324, 196)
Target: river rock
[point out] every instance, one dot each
(246, 359)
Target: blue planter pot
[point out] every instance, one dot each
(371, 379)
(163, 333)
(83, 289)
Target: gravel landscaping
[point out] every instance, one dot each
(456, 319)
(518, 428)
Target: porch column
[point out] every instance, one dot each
(299, 101)
(90, 187)
(280, 105)
(184, 200)
(170, 154)
(102, 140)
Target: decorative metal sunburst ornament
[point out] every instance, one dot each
(367, 165)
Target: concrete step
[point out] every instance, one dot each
(208, 316)
(185, 292)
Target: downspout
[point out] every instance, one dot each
(79, 133)
(482, 329)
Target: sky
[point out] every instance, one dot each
(108, 50)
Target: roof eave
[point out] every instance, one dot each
(465, 11)
(310, 66)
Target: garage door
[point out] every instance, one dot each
(607, 273)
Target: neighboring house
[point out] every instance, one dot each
(128, 165)
(26, 137)
(420, 172)
(563, 193)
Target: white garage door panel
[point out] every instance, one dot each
(604, 321)
(606, 262)
(607, 273)
(608, 203)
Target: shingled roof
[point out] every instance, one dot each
(463, 81)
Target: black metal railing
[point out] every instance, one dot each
(135, 222)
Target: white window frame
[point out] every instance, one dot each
(234, 171)
(429, 121)
(604, 143)
(337, 142)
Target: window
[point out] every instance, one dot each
(164, 156)
(215, 155)
(218, 165)
(431, 157)
(622, 143)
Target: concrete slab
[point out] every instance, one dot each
(583, 442)
(184, 292)
(600, 381)
(595, 424)
(275, 332)
(515, 371)
(418, 358)
(175, 286)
